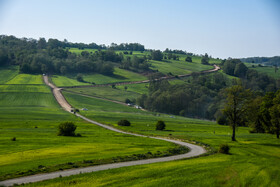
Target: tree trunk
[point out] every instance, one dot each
(233, 133)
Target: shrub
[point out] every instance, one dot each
(221, 120)
(124, 122)
(160, 125)
(80, 78)
(224, 148)
(66, 129)
(127, 101)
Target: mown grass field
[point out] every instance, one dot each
(253, 160)
(107, 93)
(7, 73)
(178, 67)
(29, 112)
(119, 93)
(26, 79)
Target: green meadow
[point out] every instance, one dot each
(253, 160)
(270, 71)
(107, 93)
(178, 67)
(29, 112)
(8, 73)
(26, 79)
(120, 75)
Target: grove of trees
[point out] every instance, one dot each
(53, 56)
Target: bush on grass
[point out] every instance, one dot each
(124, 122)
(160, 125)
(66, 129)
(224, 148)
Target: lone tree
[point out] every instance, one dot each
(124, 122)
(205, 59)
(236, 106)
(66, 129)
(160, 125)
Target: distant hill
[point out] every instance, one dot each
(269, 61)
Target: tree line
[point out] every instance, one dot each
(52, 56)
(269, 61)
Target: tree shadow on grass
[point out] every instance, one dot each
(272, 145)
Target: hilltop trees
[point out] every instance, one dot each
(53, 56)
(188, 59)
(240, 70)
(157, 55)
(205, 59)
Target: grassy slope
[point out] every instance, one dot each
(26, 79)
(7, 73)
(120, 75)
(24, 107)
(107, 92)
(253, 160)
(269, 70)
(69, 80)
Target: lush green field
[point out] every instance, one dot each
(176, 67)
(136, 88)
(107, 92)
(270, 71)
(7, 73)
(253, 160)
(120, 75)
(119, 93)
(69, 80)
(26, 79)
(30, 113)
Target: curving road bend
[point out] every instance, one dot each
(195, 150)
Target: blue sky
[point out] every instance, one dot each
(221, 28)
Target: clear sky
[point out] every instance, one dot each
(221, 28)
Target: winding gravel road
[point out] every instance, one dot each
(194, 149)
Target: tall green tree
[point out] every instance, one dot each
(236, 105)
(240, 70)
(157, 55)
(275, 114)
